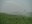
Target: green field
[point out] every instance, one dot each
(14, 19)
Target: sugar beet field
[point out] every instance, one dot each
(14, 19)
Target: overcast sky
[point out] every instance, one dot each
(16, 5)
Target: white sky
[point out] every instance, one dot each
(16, 5)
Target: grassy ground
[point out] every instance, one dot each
(14, 19)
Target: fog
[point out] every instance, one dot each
(16, 6)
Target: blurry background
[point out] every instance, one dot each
(17, 7)
(12, 11)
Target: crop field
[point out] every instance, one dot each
(14, 19)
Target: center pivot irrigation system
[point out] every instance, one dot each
(18, 14)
